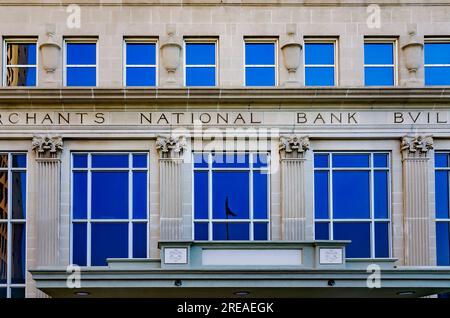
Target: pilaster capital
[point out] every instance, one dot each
(47, 146)
(293, 146)
(171, 147)
(416, 146)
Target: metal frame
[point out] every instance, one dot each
(250, 169)
(88, 221)
(81, 41)
(10, 221)
(214, 41)
(436, 41)
(331, 40)
(394, 42)
(140, 41)
(372, 220)
(447, 169)
(255, 40)
(6, 66)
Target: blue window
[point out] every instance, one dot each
(201, 63)
(320, 63)
(437, 63)
(81, 64)
(21, 63)
(109, 207)
(442, 193)
(231, 196)
(13, 195)
(140, 63)
(379, 63)
(352, 201)
(260, 63)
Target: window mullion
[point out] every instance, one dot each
(89, 204)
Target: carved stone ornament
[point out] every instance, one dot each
(416, 146)
(295, 146)
(47, 146)
(171, 147)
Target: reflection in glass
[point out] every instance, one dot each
(3, 194)
(18, 254)
(3, 252)
(21, 76)
(3, 161)
(19, 194)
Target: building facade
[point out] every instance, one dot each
(225, 148)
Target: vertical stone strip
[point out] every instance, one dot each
(48, 199)
(417, 216)
(170, 165)
(293, 187)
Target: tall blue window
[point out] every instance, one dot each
(260, 63)
(140, 63)
(109, 207)
(13, 214)
(442, 175)
(379, 63)
(320, 63)
(81, 63)
(352, 201)
(231, 196)
(437, 63)
(201, 63)
(21, 63)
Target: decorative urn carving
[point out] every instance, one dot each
(413, 55)
(291, 55)
(50, 52)
(171, 55)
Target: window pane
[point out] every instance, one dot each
(351, 161)
(359, 234)
(260, 232)
(319, 53)
(351, 196)
(379, 76)
(140, 240)
(201, 160)
(81, 76)
(141, 76)
(381, 194)
(443, 243)
(259, 76)
(19, 194)
(230, 194)
(200, 76)
(380, 160)
(231, 231)
(200, 54)
(110, 161)
(260, 160)
(4, 194)
(18, 254)
(319, 76)
(140, 195)
(79, 252)
(260, 53)
(110, 195)
(3, 293)
(21, 76)
(80, 161)
(322, 231)
(378, 53)
(21, 54)
(381, 239)
(19, 161)
(140, 160)
(201, 231)
(437, 75)
(79, 195)
(441, 160)
(81, 54)
(201, 194)
(260, 195)
(437, 53)
(442, 198)
(321, 161)
(230, 161)
(3, 252)
(18, 292)
(3, 161)
(109, 240)
(321, 194)
(141, 53)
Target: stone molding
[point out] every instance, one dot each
(171, 147)
(292, 147)
(47, 146)
(416, 146)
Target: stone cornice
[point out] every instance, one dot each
(116, 98)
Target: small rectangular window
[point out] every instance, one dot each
(200, 63)
(437, 62)
(20, 63)
(320, 62)
(260, 62)
(379, 62)
(140, 67)
(80, 63)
